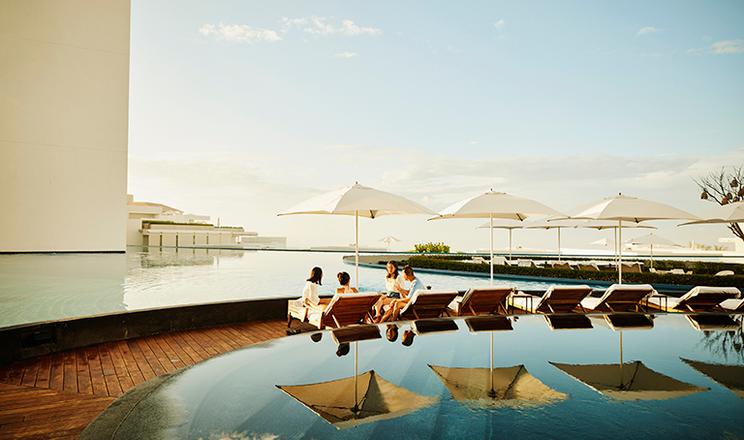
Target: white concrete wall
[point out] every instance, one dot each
(64, 95)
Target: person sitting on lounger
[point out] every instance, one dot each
(344, 279)
(393, 288)
(310, 298)
(397, 305)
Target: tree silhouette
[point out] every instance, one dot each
(723, 187)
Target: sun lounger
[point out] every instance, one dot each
(591, 267)
(699, 299)
(725, 273)
(632, 268)
(525, 263)
(557, 299)
(680, 272)
(481, 301)
(427, 304)
(560, 265)
(733, 305)
(619, 298)
(343, 309)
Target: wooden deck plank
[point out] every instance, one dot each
(60, 403)
(83, 373)
(130, 362)
(96, 372)
(69, 370)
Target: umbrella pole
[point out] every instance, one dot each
(621, 360)
(490, 231)
(559, 244)
(619, 251)
(510, 245)
(356, 376)
(356, 248)
(491, 392)
(652, 255)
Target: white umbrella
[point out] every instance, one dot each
(731, 213)
(630, 209)
(493, 205)
(652, 240)
(509, 225)
(388, 240)
(359, 201)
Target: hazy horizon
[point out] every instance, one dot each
(240, 110)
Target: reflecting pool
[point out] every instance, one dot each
(41, 287)
(454, 381)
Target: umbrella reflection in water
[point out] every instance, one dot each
(361, 398)
(495, 387)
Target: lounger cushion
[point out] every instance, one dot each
(736, 305)
(618, 294)
(696, 296)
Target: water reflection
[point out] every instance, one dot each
(727, 343)
(730, 376)
(629, 381)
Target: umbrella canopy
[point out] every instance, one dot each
(513, 387)
(730, 376)
(629, 381)
(496, 205)
(359, 201)
(380, 400)
(630, 209)
(652, 240)
(731, 213)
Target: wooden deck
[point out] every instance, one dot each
(57, 395)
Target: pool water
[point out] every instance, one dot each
(552, 384)
(42, 287)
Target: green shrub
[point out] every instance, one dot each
(446, 263)
(432, 248)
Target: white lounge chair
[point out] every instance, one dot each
(733, 305)
(557, 299)
(725, 273)
(482, 301)
(619, 298)
(699, 299)
(427, 304)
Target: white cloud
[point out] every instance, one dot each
(648, 30)
(239, 33)
(727, 47)
(346, 55)
(327, 26)
(723, 47)
(500, 23)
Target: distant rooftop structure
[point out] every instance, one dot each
(156, 224)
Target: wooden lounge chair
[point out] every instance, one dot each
(557, 299)
(619, 298)
(427, 304)
(560, 265)
(481, 301)
(589, 267)
(632, 268)
(343, 309)
(699, 299)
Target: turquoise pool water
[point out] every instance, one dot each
(48, 287)
(550, 384)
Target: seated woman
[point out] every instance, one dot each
(310, 297)
(397, 305)
(344, 279)
(393, 288)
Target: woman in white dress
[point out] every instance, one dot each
(393, 288)
(344, 279)
(310, 297)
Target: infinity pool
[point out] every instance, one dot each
(528, 382)
(57, 286)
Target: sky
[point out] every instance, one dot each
(242, 109)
